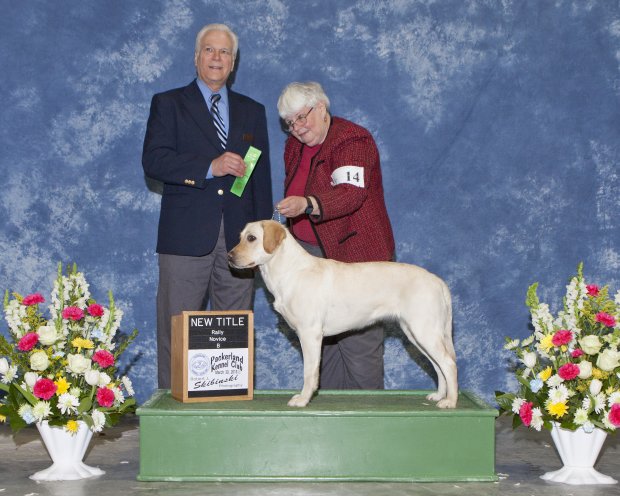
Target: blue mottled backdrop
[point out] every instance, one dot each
(497, 121)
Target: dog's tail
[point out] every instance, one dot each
(447, 325)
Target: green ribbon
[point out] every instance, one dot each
(250, 159)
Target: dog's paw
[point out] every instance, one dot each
(436, 396)
(298, 401)
(446, 403)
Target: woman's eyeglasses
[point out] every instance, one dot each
(300, 119)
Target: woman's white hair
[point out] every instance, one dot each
(299, 95)
(217, 27)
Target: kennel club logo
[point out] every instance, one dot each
(216, 370)
(218, 354)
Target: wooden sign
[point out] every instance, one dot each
(213, 356)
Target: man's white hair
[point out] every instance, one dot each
(217, 27)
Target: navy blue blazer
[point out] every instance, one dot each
(179, 146)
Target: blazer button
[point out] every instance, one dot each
(220, 192)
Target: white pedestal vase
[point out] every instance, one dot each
(578, 450)
(66, 451)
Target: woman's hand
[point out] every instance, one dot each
(293, 206)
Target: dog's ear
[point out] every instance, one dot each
(273, 235)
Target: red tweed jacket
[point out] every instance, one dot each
(345, 179)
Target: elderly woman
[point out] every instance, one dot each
(335, 206)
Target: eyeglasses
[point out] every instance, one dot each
(300, 119)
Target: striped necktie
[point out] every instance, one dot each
(217, 120)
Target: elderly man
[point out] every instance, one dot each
(195, 142)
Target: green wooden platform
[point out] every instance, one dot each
(340, 436)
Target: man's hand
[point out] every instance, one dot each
(228, 163)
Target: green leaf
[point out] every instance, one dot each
(85, 405)
(516, 421)
(504, 400)
(28, 396)
(128, 405)
(523, 381)
(15, 421)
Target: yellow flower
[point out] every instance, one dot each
(72, 426)
(557, 409)
(599, 374)
(545, 374)
(546, 343)
(80, 343)
(62, 386)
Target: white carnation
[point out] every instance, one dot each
(98, 420)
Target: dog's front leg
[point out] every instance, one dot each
(311, 352)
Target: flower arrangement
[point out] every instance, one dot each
(63, 369)
(569, 368)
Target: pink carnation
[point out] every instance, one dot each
(614, 414)
(105, 397)
(592, 289)
(33, 299)
(562, 337)
(44, 389)
(568, 371)
(95, 310)
(576, 353)
(72, 313)
(104, 358)
(606, 319)
(28, 341)
(525, 412)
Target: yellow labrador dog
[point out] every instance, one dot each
(321, 297)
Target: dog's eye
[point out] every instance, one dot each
(251, 238)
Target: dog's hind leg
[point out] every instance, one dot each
(431, 344)
(311, 351)
(445, 366)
